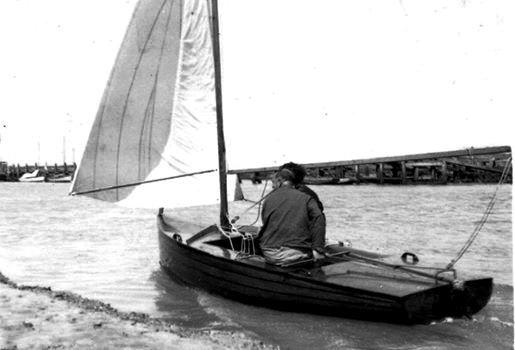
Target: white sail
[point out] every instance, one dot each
(157, 118)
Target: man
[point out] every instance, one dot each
(299, 173)
(293, 224)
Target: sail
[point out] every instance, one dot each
(157, 118)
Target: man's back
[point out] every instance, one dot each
(287, 217)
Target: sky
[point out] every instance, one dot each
(55, 64)
(336, 81)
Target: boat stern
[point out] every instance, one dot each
(458, 299)
(469, 297)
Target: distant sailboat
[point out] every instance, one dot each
(35, 176)
(158, 141)
(57, 176)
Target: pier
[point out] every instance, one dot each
(472, 165)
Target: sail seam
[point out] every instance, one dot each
(150, 109)
(124, 112)
(151, 125)
(178, 75)
(105, 98)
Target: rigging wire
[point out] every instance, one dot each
(483, 220)
(260, 204)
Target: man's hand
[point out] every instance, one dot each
(317, 255)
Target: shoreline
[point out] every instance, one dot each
(35, 317)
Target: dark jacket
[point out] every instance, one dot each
(311, 193)
(292, 219)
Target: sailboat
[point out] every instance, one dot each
(158, 141)
(35, 176)
(64, 176)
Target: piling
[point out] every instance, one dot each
(356, 171)
(380, 173)
(403, 172)
(443, 179)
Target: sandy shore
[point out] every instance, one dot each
(39, 318)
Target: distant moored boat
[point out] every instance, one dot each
(34, 176)
(63, 178)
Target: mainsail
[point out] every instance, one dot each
(157, 118)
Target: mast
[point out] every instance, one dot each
(222, 170)
(64, 149)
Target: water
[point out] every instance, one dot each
(110, 253)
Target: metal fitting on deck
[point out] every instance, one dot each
(458, 284)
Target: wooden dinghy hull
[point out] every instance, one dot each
(312, 289)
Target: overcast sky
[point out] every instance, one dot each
(411, 76)
(56, 59)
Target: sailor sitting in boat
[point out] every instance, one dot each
(293, 224)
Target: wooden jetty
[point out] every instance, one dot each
(53, 173)
(471, 165)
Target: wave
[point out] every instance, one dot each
(504, 323)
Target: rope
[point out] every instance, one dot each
(260, 203)
(247, 247)
(263, 196)
(486, 214)
(226, 235)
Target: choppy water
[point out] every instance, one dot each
(110, 253)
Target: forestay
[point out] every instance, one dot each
(157, 117)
